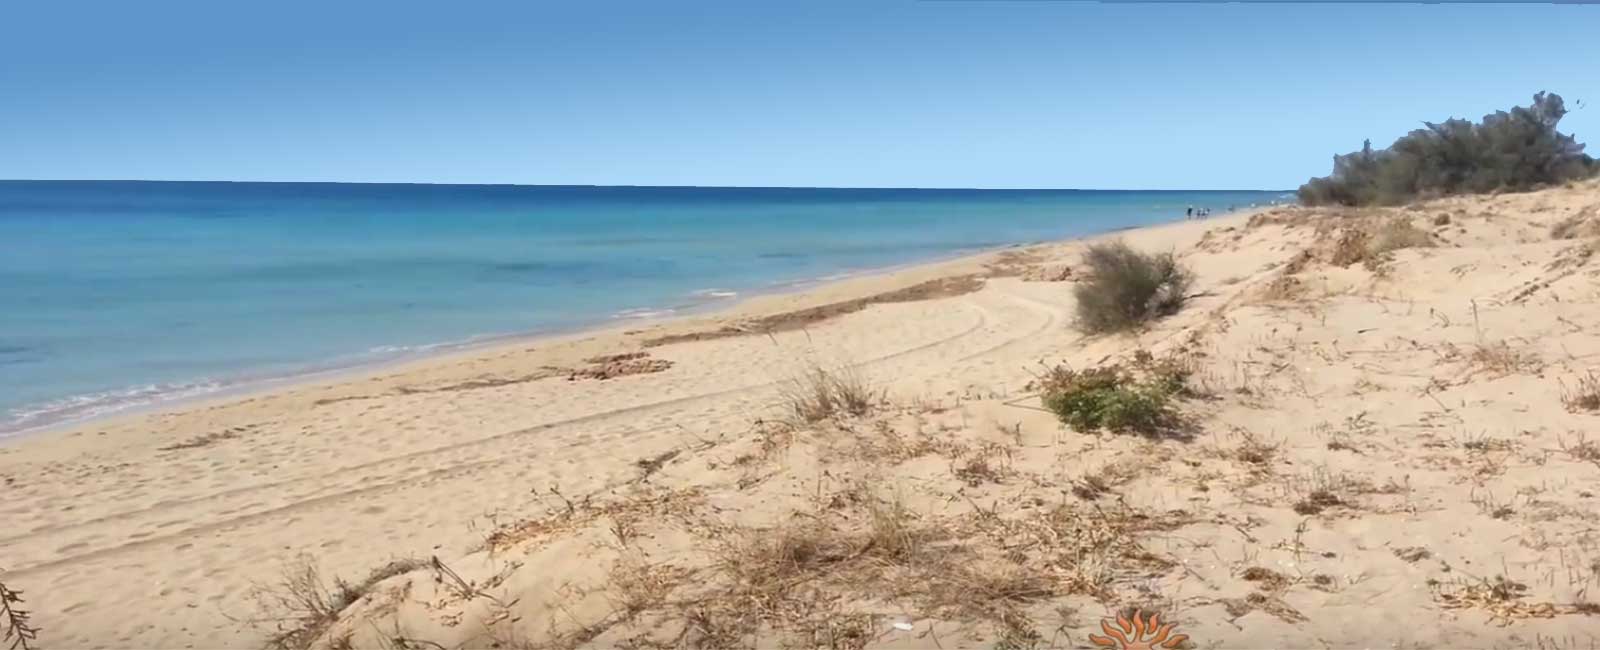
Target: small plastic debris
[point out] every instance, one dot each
(904, 627)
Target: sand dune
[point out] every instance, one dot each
(1381, 455)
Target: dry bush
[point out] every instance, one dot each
(1582, 224)
(790, 577)
(797, 584)
(1082, 550)
(300, 606)
(1283, 287)
(1123, 288)
(1398, 234)
(20, 634)
(819, 394)
(1351, 246)
(1585, 396)
(987, 590)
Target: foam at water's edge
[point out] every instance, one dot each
(78, 408)
(641, 312)
(83, 407)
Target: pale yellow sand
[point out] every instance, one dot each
(150, 531)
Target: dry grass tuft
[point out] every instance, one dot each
(819, 394)
(1351, 246)
(569, 515)
(1500, 358)
(991, 590)
(1316, 501)
(1265, 578)
(1398, 234)
(300, 606)
(1489, 505)
(991, 463)
(794, 584)
(1583, 397)
(1413, 554)
(636, 586)
(1324, 490)
(1346, 242)
(1581, 224)
(790, 579)
(1284, 287)
(1091, 487)
(1582, 449)
(1500, 596)
(1258, 454)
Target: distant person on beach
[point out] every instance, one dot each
(1189, 214)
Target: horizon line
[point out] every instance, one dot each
(642, 186)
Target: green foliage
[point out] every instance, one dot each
(1124, 287)
(1111, 397)
(1514, 151)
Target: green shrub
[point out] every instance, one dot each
(1110, 397)
(1123, 287)
(1514, 151)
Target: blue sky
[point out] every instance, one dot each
(851, 94)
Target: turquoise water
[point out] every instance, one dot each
(120, 294)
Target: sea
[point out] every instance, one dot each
(116, 295)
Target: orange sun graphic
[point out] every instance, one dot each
(1138, 634)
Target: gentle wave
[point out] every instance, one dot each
(255, 283)
(642, 313)
(80, 407)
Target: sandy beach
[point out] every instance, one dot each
(1384, 452)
